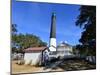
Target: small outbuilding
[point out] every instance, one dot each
(33, 56)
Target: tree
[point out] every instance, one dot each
(23, 41)
(29, 40)
(87, 21)
(13, 39)
(13, 29)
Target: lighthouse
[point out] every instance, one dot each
(50, 52)
(52, 41)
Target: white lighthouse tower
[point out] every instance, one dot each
(52, 41)
(50, 52)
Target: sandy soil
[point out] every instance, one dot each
(66, 65)
(17, 69)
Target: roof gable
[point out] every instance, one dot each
(34, 49)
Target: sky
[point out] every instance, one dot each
(35, 18)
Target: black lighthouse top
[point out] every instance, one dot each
(53, 26)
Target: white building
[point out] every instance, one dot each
(64, 50)
(33, 56)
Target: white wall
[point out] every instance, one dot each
(52, 43)
(32, 58)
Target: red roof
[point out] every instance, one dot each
(35, 49)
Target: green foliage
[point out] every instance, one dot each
(87, 21)
(83, 50)
(87, 16)
(23, 41)
(13, 29)
(29, 40)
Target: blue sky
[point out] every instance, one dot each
(35, 18)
